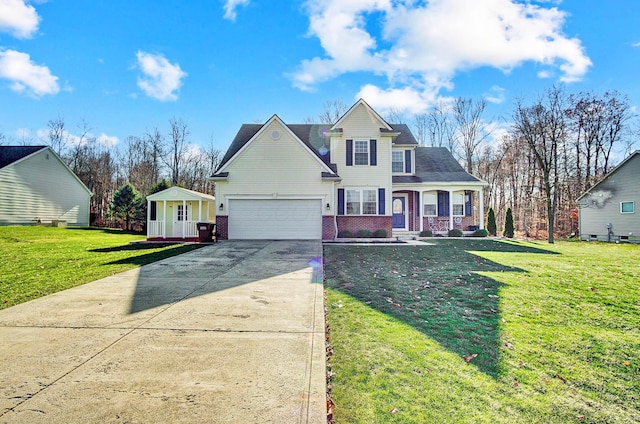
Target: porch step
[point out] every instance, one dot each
(406, 235)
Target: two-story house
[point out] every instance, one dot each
(305, 181)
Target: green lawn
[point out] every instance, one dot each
(483, 331)
(36, 261)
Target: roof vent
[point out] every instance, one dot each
(275, 135)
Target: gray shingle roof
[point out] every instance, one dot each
(436, 164)
(11, 154)
(315, 136)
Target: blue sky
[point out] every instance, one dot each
(124, 67)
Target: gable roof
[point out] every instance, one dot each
(314, 136)
(179, 193)
(436, 164)
(611, 173)
(306, 134)
(11, 154)
(361, 102)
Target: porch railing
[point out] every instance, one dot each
(190, 228)
(155, 229)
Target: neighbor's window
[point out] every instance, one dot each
(627, 207)
(397, 161)
(361, 153)
(458, 204)
(430, 201)
(181, 213)
(362, 202)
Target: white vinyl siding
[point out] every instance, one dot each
(275, 219)
(275, 168)
(42, 187)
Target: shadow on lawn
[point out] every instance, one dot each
(436, 289)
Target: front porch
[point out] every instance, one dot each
(416, 209)
(173, 214)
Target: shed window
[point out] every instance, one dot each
(627, 207)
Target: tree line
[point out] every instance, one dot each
(142, 165)
(548, 152)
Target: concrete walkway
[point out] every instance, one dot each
(230, 333)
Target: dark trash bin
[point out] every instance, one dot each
(205, 231)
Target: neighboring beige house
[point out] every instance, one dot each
(299, 181)
(608, 210)
(173, 214)
(37, 186)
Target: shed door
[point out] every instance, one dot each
(275, 219)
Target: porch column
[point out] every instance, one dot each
(450, 209)
(184, 216)
(200, 210)
(481, 202)
(148, 216)
(421, 211)
(164, 219)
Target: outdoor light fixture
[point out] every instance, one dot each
(221, 206)
(328, 206)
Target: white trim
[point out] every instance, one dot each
(361, 190)
(633, 206)
(274, 118)
(406, 210)
(369, 108)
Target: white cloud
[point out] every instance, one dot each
(73, 139)
(161, 79)
(230, 7)
(495, 95)
(25, 76)
(18, 18)
(422, 45)
(107, 140)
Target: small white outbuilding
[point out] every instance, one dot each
(174, 214)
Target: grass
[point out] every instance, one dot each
(483, 331)
(37, 261)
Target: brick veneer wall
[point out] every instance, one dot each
(371, 223)
(222, 227)
(328, 232)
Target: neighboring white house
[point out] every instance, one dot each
(301, 181)
(173, 213)
(37, 186)
(608, 210)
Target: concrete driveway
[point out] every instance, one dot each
(230, 333)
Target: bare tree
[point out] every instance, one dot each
(179, 132)
(467, 114)
(543, 126)
(332, 111)
(57, 135)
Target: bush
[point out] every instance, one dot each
(455, 232)
(480, 233)
(426, 233)
(364, 234)
(345, 234)
(380, 233)
(508, 224)
(491, 222)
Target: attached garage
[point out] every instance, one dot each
(275, 219)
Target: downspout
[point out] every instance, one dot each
(334, 212)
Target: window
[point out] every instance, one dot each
(430, 201)
(181, 213)
(627, 207)
(361, 154)
(397, 161)
(458, 204)
(362, 202)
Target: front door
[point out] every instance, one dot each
(182, 214)
(399, 207)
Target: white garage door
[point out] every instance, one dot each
(275, 219)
